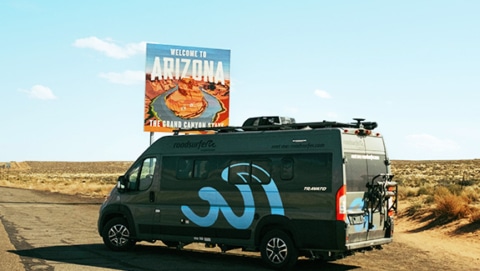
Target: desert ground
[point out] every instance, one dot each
(439, 201)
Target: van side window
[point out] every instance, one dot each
(146, 174)
(261, 171)
(141, 176)
(132, 178)
(189, 168)
(249, 171)
(239, 172)
(184, 168)
(356, 173)
(297, 171)
(200, 169)
(286, 169)
(316, 169)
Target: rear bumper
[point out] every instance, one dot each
(369, 243)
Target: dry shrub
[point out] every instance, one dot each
(416, 208)
(441, 191)
(471, 194)
(405, 192)
(455, 189)
(424, 190)
(475, 216)
(429, 199)
(450, 205)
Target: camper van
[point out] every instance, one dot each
(284, 189)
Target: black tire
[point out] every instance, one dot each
(116, 235)
(278, 250)
(390, 227)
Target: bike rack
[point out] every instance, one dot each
(378, 194)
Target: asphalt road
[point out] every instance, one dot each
(46, 231)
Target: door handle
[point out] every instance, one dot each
(151, 196)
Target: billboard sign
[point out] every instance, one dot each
(186, 87)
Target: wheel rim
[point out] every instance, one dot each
(276, 250)
(118, 235)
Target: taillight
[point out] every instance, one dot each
(390, 211)
(391, 192)
(341, 201)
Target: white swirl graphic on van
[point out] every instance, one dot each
(219, 204)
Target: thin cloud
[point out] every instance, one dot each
(124, 78)
(40, 92)
(431, 143)
(292, 110)
(111, 49)
(322, 94)
(332, 115)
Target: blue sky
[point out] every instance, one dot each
(72, 79)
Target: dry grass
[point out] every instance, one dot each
(92, 179)
(418, 173)
(448, 190)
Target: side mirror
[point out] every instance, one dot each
(121, 184)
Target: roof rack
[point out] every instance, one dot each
(288, 125)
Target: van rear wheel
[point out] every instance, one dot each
(278, 250)
(116, 235)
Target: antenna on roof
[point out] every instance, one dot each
(370, 125)
(359, 122)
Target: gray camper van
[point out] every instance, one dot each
(284, 189)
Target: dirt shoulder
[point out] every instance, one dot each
(441, 241)
(9, 260)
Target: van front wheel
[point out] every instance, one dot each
(116, 235)
(278, 250)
